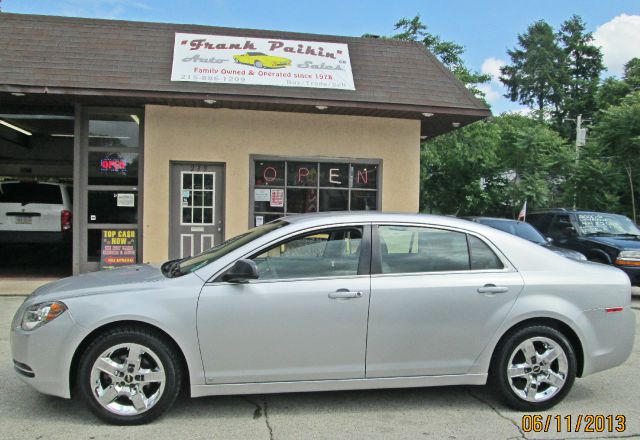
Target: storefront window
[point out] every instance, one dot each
(114, 130)
(282, 187)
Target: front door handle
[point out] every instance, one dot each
(492, 288)
(344, 293)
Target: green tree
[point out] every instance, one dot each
(618, 133)
(537, 75)
(584, 66)
(448, 52)
(613, 90)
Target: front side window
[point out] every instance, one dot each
(413, 249)
(283, 187)
(327, 253)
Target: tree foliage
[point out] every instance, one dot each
(448, 52)
(537, 74)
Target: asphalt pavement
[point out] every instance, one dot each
(427, 413)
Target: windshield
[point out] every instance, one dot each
(519, 229)
(601, 223)
(191, 264)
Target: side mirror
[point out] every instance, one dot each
(241, 272)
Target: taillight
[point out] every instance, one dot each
(65, 220)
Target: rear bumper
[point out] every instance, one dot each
(609, 339)
(52, 237)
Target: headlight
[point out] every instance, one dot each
(39, 314)
(628, 258)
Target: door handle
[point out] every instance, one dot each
(344, 294)
(492, 288)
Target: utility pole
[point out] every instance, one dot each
(581, 141)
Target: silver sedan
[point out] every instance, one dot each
(328, 302)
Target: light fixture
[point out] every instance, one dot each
(210, 101)
(61, 135)
(17, 94)
(455, 124)
(321, 107)
(136, 119)
(427, 114)
(423, 137)
(18, 129)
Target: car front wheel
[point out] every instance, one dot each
(534, 368)
(129, 376)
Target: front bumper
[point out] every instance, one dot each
(42, 357)
(633, 272)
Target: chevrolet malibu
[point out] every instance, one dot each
(328, 302)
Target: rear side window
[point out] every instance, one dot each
(410, 249)
(481, 256)
(26, 193)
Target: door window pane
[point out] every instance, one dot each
(334, 175)
(365, 176)
(113, 131)
(269, 173)
(302, 174)
(482, 257)
(334, 200)
(408, 249)
(300, 201)
(364, 200)
(113, 168)
(112, 207)
(319, 254)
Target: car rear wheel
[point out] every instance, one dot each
(534, 368)
(129, 376)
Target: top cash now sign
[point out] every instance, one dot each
(261, 61)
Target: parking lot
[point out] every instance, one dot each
(447, 412)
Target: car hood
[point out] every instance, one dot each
(105, 281)
(616, 241)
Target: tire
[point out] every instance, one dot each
(129, 376)
(536, 384)
(258, 64)
(599, 259)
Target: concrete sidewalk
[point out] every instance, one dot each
(22, 286)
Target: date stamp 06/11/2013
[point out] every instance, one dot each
(586, 423)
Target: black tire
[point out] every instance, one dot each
(157, 356)
(599, 259)
(509, 354)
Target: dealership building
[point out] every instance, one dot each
(188, 135)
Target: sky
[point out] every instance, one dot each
(486, 29)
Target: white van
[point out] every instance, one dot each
(35, 212)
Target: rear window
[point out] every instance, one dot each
(26, 193)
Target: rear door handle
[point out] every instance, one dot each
(492, 288)
(343, 293)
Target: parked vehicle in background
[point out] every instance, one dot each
(35, 212)
(602, 237)
(328, 302)
(528, 232)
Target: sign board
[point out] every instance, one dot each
(277, 198)
(119, 248)
(261, 61)
(125, 200)
(262, 194)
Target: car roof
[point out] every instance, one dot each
(502, 219)
(337, 217)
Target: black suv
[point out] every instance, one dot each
(602, 237)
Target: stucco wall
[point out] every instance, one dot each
(231, 136)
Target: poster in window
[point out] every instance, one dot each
(125, 200)
(262, 194)
(118, 248)
(259, 220)
(277, 198)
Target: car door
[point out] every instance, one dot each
(437, 297)
(304, 318)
